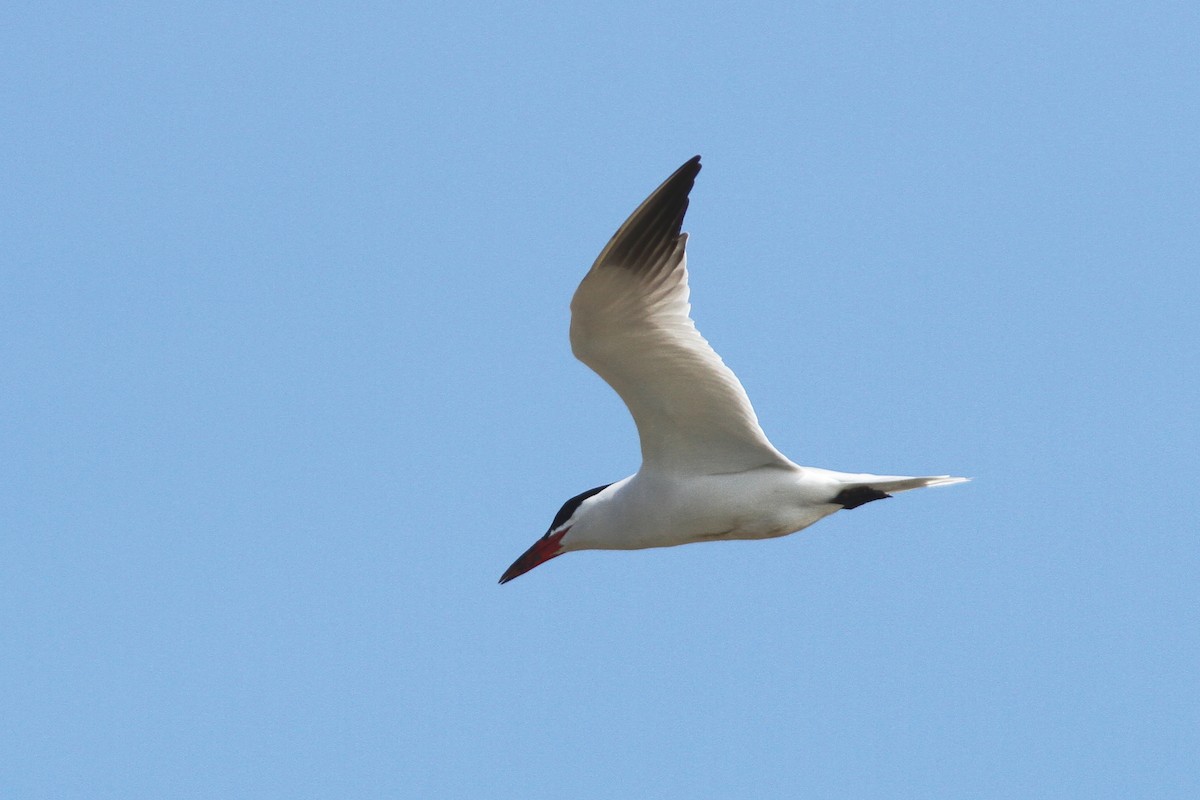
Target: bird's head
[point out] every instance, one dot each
(550, 545)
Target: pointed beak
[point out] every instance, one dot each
(542, 551)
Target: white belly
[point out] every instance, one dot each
(649, 510)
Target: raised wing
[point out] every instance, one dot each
(630, 323)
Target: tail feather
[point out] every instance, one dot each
(894, 483)
(857, 490)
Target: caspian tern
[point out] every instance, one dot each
(708, 472)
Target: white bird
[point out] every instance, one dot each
(708, 471)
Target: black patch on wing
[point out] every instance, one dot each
(569, 507)
(856, 496)
(651, 233)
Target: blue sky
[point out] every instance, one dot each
(285, 386)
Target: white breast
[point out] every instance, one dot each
(659, 509)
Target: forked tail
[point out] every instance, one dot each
(876, 487)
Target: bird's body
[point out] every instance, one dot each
(659, 509)
(708, 471)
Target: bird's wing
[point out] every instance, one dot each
(630, 323)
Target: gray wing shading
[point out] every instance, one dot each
(631, 323)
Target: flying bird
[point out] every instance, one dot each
(708, 472)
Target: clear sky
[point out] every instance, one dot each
(285, 386)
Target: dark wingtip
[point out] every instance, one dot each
(679, 185)
(651, 234)
(855, 496)
(690, 168)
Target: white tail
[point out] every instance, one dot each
(896, 483)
